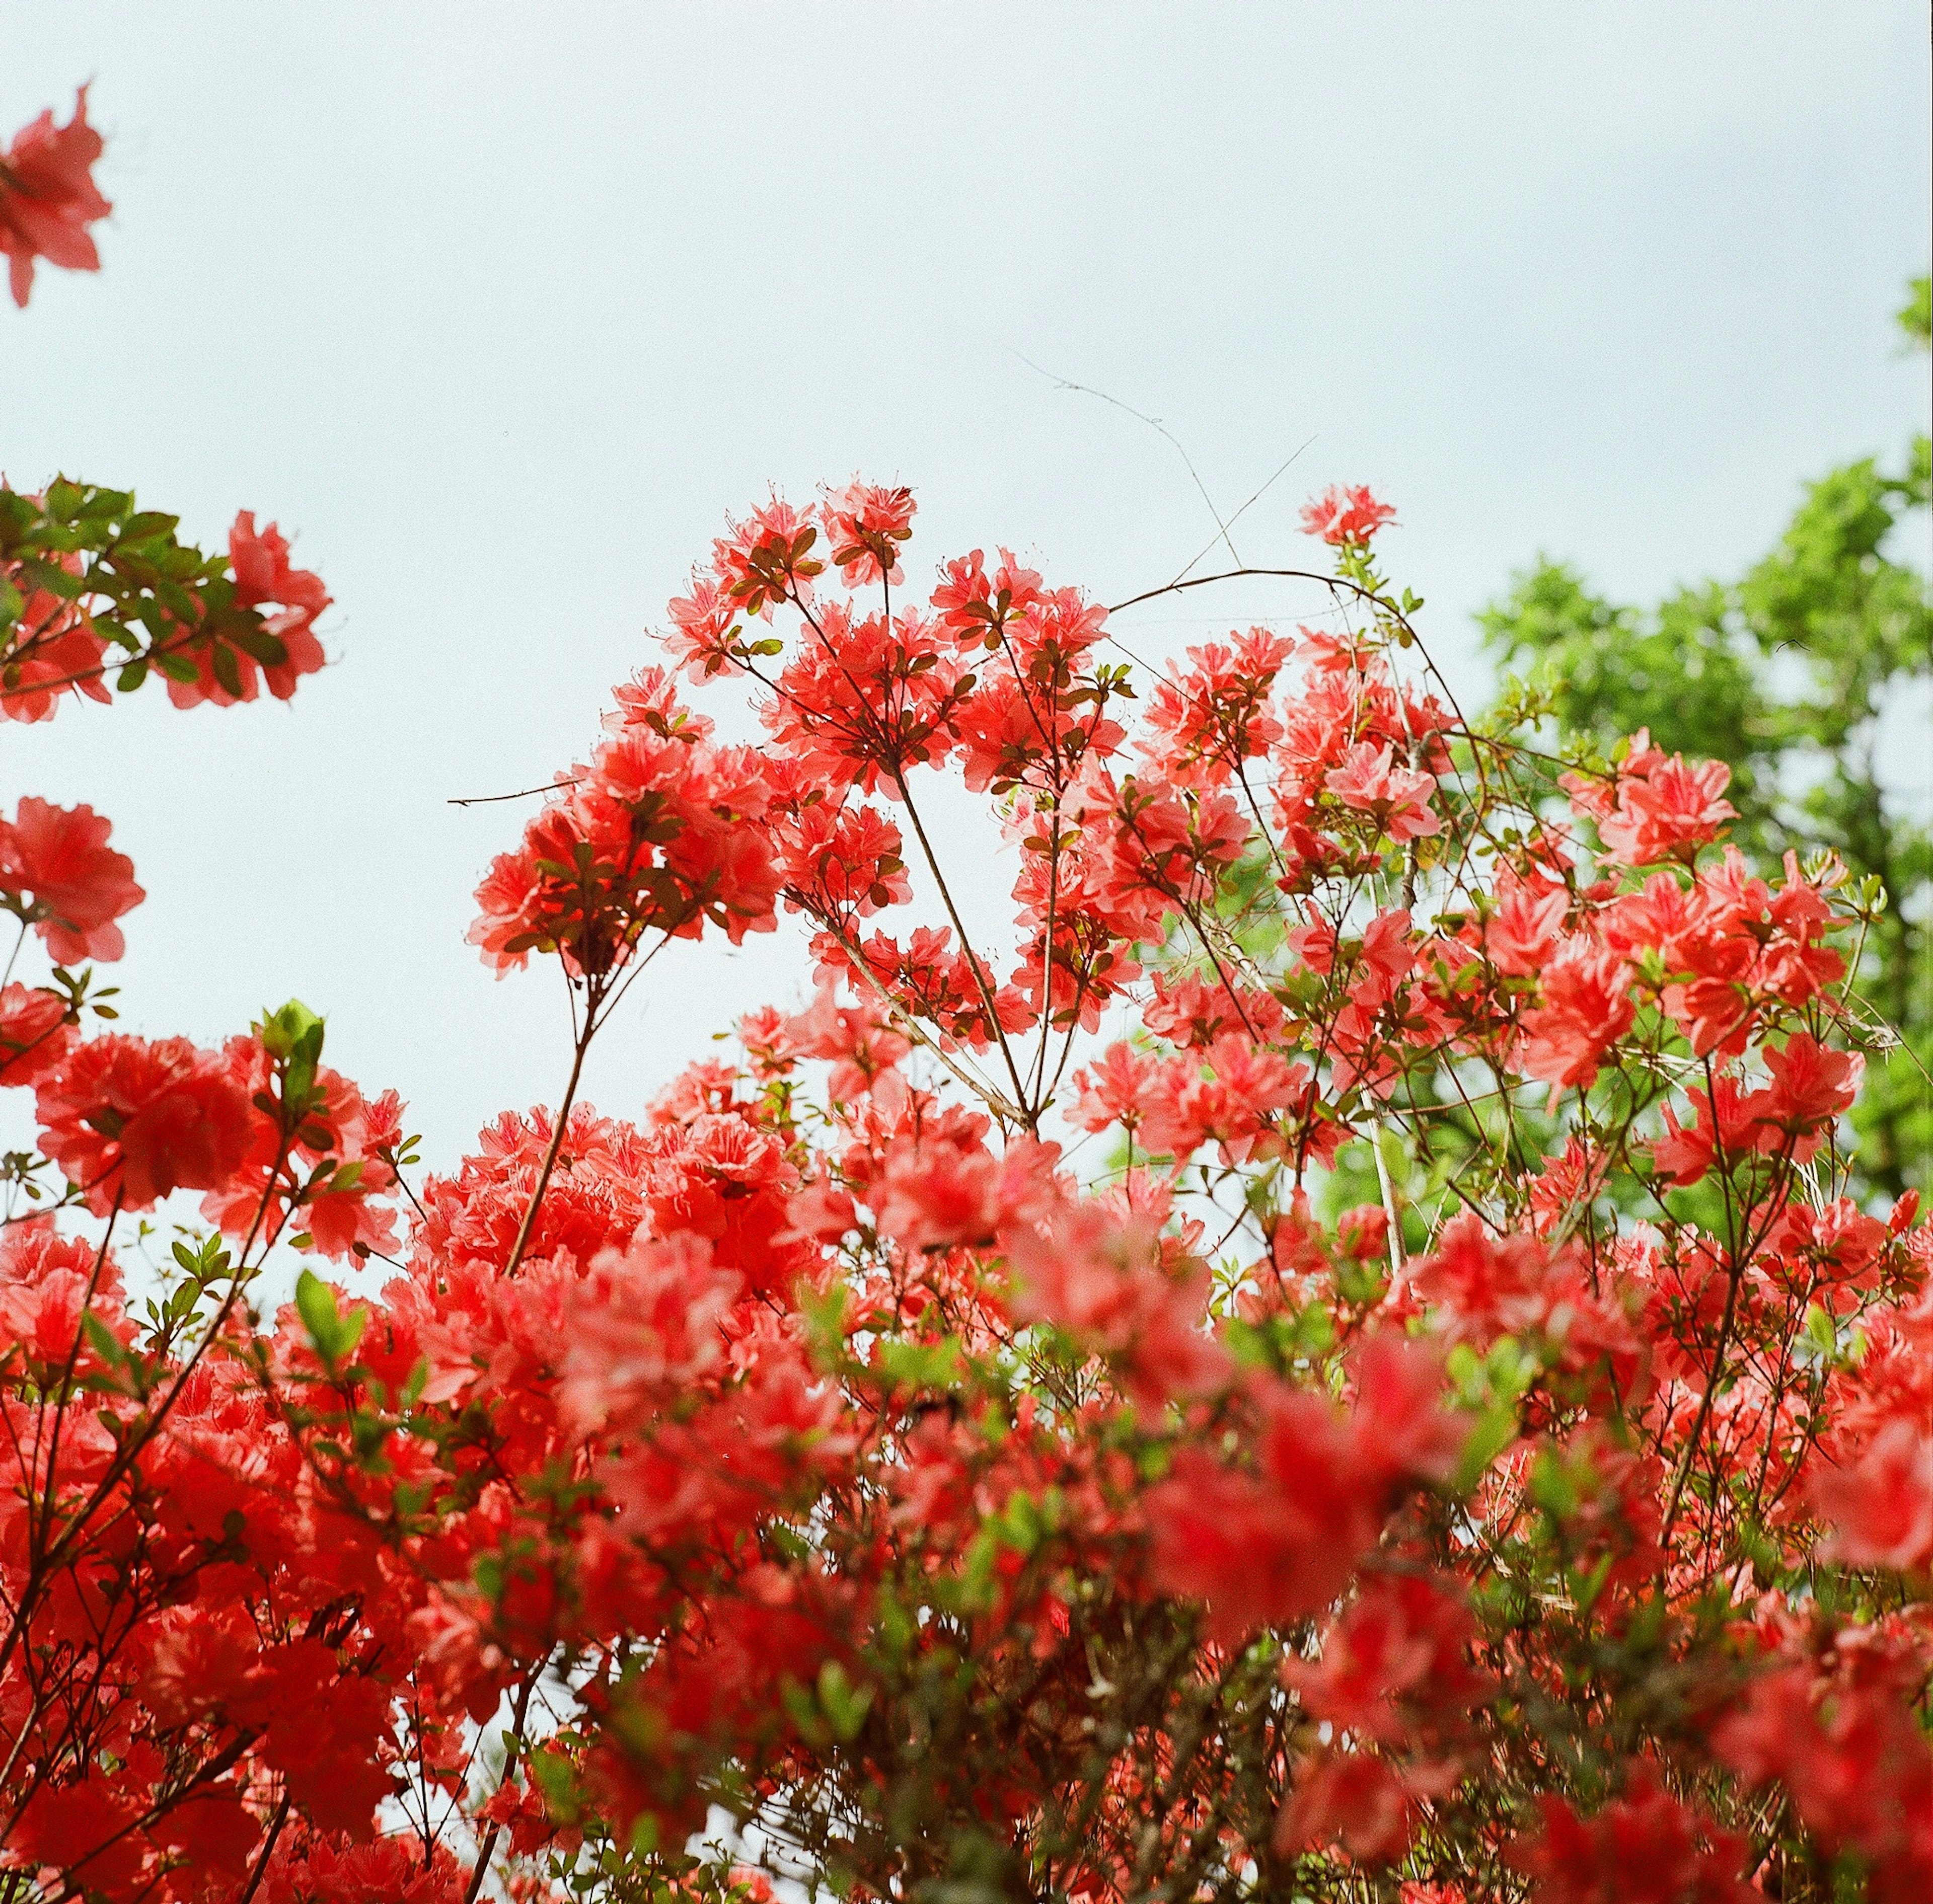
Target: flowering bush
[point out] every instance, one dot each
(1342, 1364)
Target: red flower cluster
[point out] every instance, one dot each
(1342, 516)
(946, 1432)
(1655, 808)
(264, 581)
(130, 1121)
(1645, 1847)
(658, 834)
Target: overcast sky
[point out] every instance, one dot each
(499, 308)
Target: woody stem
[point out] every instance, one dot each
(582, 1045)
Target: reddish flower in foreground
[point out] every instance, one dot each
(1397, 1651)
(1279, 1542)
(1855, 1765)
(34, 1034)
(1721, 1132)
(130, 1119)
(1662, 809)
(1585, 1010)
(1882, 1502)
(1351, 1798)
(1342, 515)
(47, 1283)
(58, 873)
(866, 523)
(1645, 1848)
(1398, 797)
(48, 198)
(1811, 1085)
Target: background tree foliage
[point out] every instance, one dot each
(1785, 673)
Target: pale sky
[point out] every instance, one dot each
(500, 309)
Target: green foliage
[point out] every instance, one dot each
(1915, 315)
(1784, 673)
(333, 1336)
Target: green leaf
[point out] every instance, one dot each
(844, 1704)
(1915, 315)
(825, 1324)
(802, 1710)
(105, 505)
(103, 1339)
(1021, 1525)
(266, 648)
(414, 1387)
(315, 1303)
(334, 1335)
(1495, 1430)
(227, 670)
(290, 1030)
(922, 1364)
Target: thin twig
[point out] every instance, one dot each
(1153, 423)
(522, 793)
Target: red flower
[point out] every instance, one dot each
(1351, 1798)
(1341, 515)
(764, 561)
(1101, 1278)
(53, 646)
(866, 523)
(652, 837)
(1645, 1848)
(1664, 809)
(1488, 1287)
(1119, 1089)
(1397, 1653)
(1216, 715)
(34, 1034)
(264, 581)
(58, 871)
(1722, 1132)
(1811, 1085)
(337, 1207)
(1856, 1766)
(1585, 1010)
(47, 1282)
(48, 199)
(1398, 798)
(1266, 1545)
(132, 1120)
(1881, 1500)
(1522, 933)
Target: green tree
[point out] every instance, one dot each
(1784, 673)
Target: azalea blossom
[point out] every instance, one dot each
(48, 198)
(1398, 797)
(1341, 515)
(58, 872)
